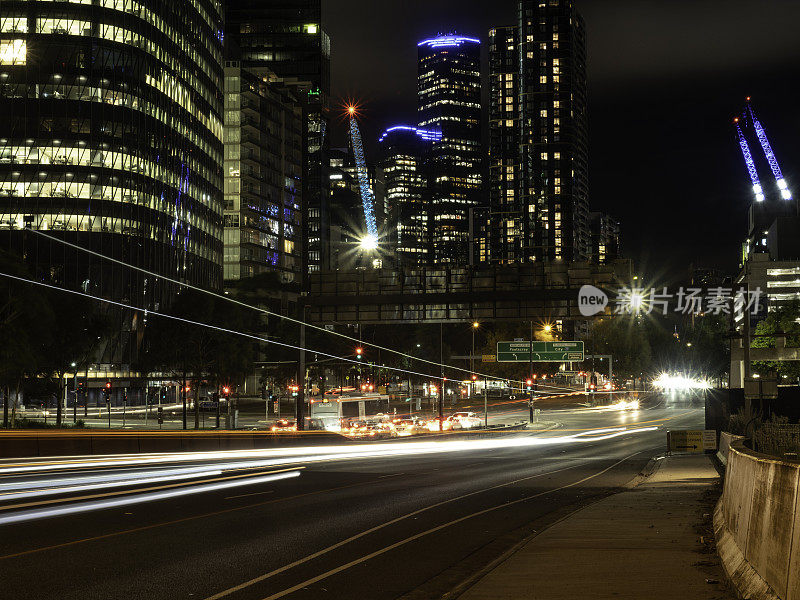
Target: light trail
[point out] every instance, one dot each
(31, 515)
(290, 456)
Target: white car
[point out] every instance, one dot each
(464, 420)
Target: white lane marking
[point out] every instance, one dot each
(391, 475)
(252, 494)
(305, 559)
(366, 557)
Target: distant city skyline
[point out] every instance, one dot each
(695, 83)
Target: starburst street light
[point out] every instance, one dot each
(369, 242)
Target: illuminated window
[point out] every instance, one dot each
(13, 52)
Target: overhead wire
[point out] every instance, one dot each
(215, 327)
(280, 316)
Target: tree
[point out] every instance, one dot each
(625, 338)
(194, 353)
(79, 328)
(26, 320)
(785, 319)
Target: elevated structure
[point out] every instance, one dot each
(433, 295)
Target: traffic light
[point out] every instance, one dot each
(107, 391)
(359, 352)
(529, 383)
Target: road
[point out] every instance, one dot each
(410, 519)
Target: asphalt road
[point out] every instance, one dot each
(415, 522)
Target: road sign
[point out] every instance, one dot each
(488, 358)
(692, 441)
(542, 351)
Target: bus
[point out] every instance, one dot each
(329, 412)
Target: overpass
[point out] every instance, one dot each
(441, 295)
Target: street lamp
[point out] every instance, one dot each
(369, 242)
(475, 326)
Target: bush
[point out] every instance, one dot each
(743, 421)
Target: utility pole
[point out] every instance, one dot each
(485, 403)
(441, 382)
(530, 372)
(299, 405)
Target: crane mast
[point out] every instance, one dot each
(751, 165)
(367, 196)
(769, 154)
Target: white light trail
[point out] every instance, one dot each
(289, 456)
(81, 507)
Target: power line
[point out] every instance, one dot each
(214, 327)
(273, 314)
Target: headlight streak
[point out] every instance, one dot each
(52, 489)
(80, 507)
(288, 456)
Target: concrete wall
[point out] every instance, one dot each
(18, 444)
(757, 522)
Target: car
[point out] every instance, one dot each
(463, 420)
(284, 425)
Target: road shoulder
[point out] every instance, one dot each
(653, 540)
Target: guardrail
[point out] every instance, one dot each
(757, 524)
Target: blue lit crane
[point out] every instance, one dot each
(761, 134)
(773, 162)
(367, 196)
(751, 165)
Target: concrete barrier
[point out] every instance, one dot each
(725, 440)
(30, 443)
(757, 524)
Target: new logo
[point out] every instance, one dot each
(591, 300)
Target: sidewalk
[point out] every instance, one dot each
(644, 542)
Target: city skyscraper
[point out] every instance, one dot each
(504, 243)
(545, 214)
(605, 238)
(449, 103)
(112, 141)
(286, 38)
(553, 178)
(263, 169)
(403, 170)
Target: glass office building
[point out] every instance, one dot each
(112, 141)
(449, 103)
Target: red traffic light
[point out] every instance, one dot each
(359, 351)
(226, 390)
(529, 381)
(474, 378)
(108, 385)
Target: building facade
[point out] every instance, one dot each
(605, 238)
(403, 170)
(263, 169)
(286, 38)
(504, 242)
(449, 103)
(112, 142)
(553, 178)
(539, 135)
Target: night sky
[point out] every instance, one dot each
(665, 79)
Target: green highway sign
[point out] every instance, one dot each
(542, 351)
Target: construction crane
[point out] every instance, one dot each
(370, 242)
(751, 165)
(761, 134)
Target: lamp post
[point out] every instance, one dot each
(74, 392)
(475, 326)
